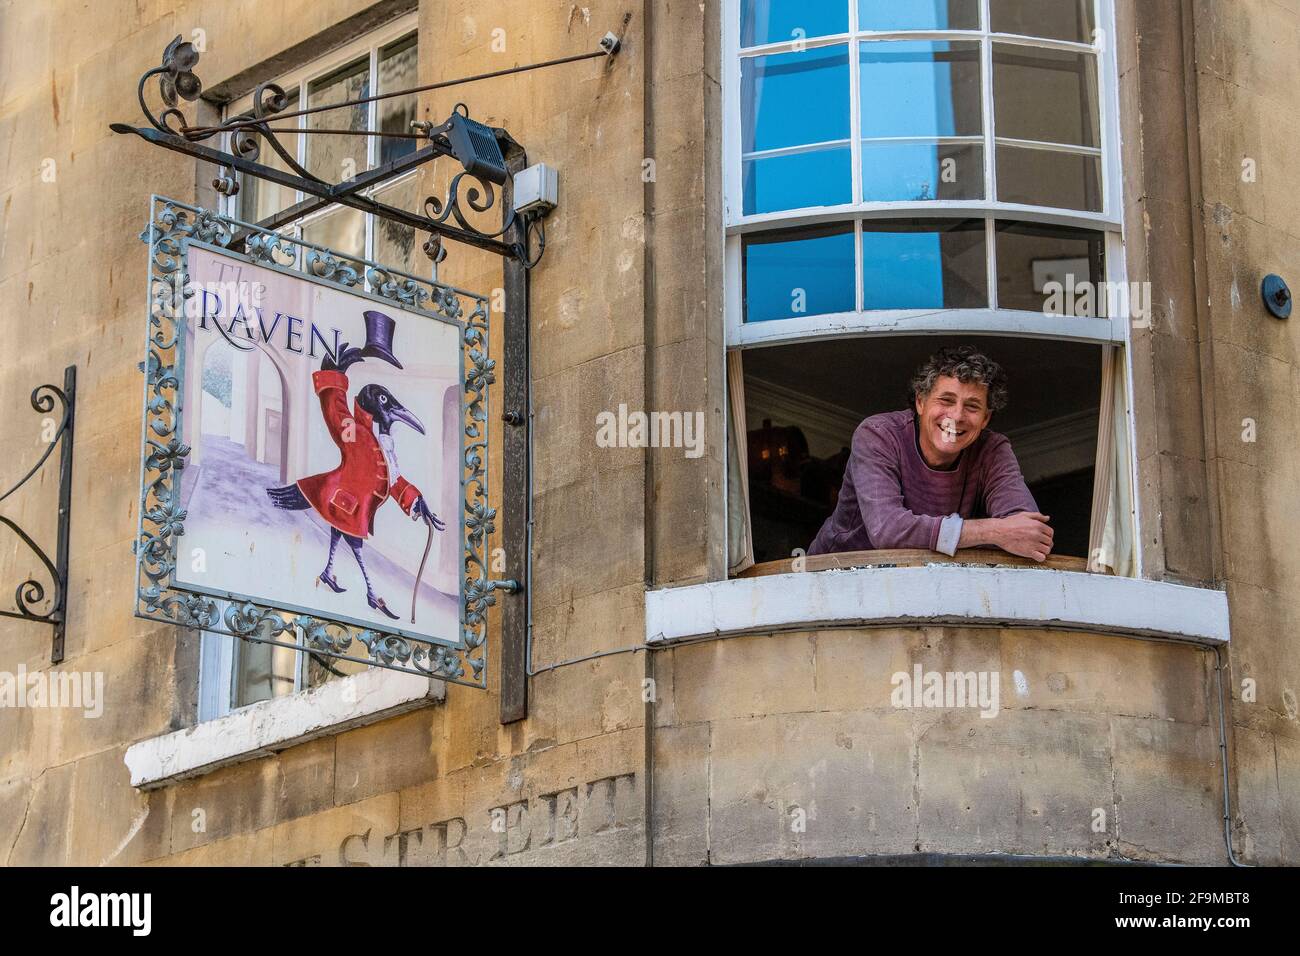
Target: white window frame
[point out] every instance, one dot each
(1108, 330)
(219, 661)
(1112, 330)
(218, 655)
(296, 84)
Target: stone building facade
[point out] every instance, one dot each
(681, 712)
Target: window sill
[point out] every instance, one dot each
(911, 558)
(938, 594)
(273, 725)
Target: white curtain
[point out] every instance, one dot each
(740, 542)
(1110, 539)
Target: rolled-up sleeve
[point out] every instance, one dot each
(949, 534)
(877, 477)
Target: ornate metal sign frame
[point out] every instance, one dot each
(173, 227)
(491, 158)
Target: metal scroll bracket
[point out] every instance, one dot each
(31, 593)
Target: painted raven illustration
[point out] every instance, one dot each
(348, 496)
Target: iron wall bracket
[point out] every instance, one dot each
(347, 193)
(31, 593)
(479, 149)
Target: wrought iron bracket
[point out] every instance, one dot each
(346, 193)
(31, 593)
(469, 143)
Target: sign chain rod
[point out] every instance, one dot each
(241, 124)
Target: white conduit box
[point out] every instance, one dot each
(537, 189)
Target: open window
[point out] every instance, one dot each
(902, 174)
(794, 409)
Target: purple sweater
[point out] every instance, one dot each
(892, 499)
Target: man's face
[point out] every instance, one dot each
(951, 416)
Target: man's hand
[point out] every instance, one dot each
(347, 357)
(420, 510)
(1027, 534)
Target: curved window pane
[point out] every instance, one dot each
(799, 272)
(776, 93)
(398, 70)
(915, 172)
(1054, 19)
(343, 231)
(924, 264)
(822, 177)
(1049, 96)
(773, 21)
(1031, 257)
(1049, 177)
(920, 88)
(339, 157)
(918, 15)
(396, 245)
(260, 198)
(264, 671)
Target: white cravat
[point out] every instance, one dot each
(390, 454)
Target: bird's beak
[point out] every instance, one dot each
(403, 414)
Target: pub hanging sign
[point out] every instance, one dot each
(315, 442)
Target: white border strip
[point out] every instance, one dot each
(938, 594)
(273, 725)
(807, 328)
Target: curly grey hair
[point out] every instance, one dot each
(966, 364)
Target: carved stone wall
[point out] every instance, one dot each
(766, 747)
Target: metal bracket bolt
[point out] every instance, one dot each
(1277, 297)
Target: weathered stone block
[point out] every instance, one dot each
(1022, 782)
(386, 756)
(1168, 782)
(744, 677)
(354, 835)
(42, 837)
(1093, 673)
(797, 786)
(680, 795)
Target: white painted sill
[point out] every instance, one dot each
(938, 594)
(273, 725)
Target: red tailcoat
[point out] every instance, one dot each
(349, 496)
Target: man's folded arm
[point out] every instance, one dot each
(1005, 491)
(1006, 495)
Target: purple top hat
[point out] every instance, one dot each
(379, 337)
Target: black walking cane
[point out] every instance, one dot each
(415, 594)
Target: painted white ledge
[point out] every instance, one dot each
(938, 594)
(273, 725)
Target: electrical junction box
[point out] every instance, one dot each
(537, 189)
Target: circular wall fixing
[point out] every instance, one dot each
(1277, 297)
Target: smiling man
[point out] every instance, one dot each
(933, 476)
